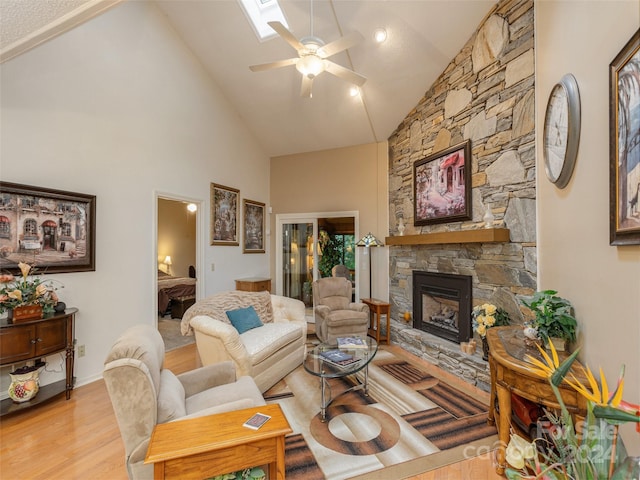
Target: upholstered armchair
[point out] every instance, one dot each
(336, 315)
(341, 271)
(144, 394)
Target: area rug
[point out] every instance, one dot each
(411, 422)
(169, 329)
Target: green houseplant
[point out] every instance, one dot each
(553, 316)
(255, 473)
(592, 450)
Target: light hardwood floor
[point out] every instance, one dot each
(79, 438)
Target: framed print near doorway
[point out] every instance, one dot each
(253, 223)
(224, 215)
(52, 230)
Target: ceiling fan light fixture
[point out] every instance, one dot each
(310, 66)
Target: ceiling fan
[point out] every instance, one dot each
(313, 56)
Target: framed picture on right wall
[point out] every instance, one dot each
(624, 144)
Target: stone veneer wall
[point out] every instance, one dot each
(486, 94)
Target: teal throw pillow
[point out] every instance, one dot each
(244, 319)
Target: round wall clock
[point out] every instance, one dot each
(562, 131)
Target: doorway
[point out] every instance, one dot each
(177, 260)
(308, 246)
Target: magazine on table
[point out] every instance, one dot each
(338, 358)
(352, 342)
(256, 421)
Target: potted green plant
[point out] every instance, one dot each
(553, 318)
(255, 473)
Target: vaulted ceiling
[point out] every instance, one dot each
(423, 37)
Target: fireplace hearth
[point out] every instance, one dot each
(442, 305)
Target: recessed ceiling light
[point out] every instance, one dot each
(380, 35)
(354, 91)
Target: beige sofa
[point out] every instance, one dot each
(266, 353)
(144, 394)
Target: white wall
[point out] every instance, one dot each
(575, 258)
(119, 108)
(343, 179)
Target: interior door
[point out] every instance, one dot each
(299, 251)
(297, 258)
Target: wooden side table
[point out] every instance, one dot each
(510, 374)
(213, 445)
(253, 284)
(377, 308)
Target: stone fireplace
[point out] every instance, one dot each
(442, 305)
(487, 95)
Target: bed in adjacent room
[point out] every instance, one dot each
(173, 288)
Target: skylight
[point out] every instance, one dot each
(259, 12)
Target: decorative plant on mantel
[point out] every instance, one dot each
(553, 316)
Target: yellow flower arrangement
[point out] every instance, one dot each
(486, 316)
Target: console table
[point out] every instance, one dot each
(204, 447)
(253, 284)
(35, 339)
(510, 373)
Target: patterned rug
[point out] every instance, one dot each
(410, 422)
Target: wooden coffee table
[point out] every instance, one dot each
(213, 445)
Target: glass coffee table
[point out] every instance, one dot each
(317, 365)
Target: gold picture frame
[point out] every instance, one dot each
(224, 215)
(253, 221)
(624, 146)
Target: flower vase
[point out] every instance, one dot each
(24, 385)
(560, 344)
(401, 226)
(629, 469)
(24, 313)
(488, 217)
(485, 349)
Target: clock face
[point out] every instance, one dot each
(555, 132)
(562, 131)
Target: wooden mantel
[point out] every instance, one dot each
(480, 235)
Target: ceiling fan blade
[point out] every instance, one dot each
(345, 73)
(286, 35)
(278, 64)
(339, 45)
(305, 89)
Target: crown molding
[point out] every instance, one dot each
(87, 11)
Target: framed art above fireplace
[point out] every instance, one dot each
(442, 186)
